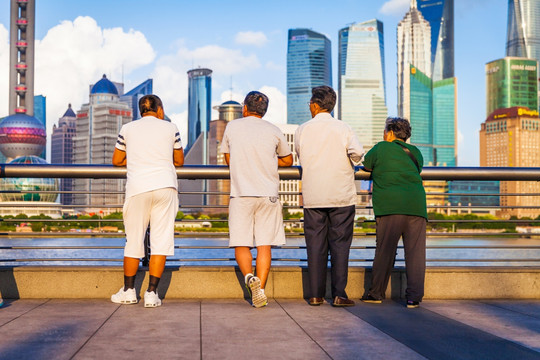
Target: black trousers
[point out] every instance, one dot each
(389, 229)
(328, 230)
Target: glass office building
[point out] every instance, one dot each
(462, 188)
(309, 64)
(523, 32)
(40, 113)
(440, 16)
(362, 93)
(511, 82)
(199, 104)
(433, 118)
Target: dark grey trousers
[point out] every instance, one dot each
(389, 229)
(328, 229)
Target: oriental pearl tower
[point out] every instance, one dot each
(22, 136)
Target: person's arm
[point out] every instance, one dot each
(369, 160)
(285, 161)
(227, 158)
(178, 157)
(355, 150)
(119, 157)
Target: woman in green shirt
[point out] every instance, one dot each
(399, 204)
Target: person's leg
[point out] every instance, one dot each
(389, 230)
(340, 234)
(131, 265)
(162, 217)
(244, 259)
(262, 263)
(316, 232)
(414, 243)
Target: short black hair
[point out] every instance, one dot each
(324, 96)
(149, 103)
(256, 102)
(400, 126)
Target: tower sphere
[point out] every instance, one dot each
(21, 135)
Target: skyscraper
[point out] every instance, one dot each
(199, 106)
(523, 32)
(62, 149)
(309, 64)
(440, 16)
(427, 90)
(40, 113)
(362, 92)
(413, 48)
(511, 82)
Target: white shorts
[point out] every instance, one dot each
(157, 207)
(255, 221)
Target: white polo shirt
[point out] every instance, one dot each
(149, 143)
(254, 146)
(327, 149)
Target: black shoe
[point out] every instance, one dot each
(370, 299)
(341, 302)
(412, 304)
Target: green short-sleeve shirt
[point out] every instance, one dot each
(397, 185)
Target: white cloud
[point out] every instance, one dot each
(255, 38)
(75, 54)
(460, 137)
(170, 75)
(181, 122)
(395, 7)
(277, 106)
(4, 70)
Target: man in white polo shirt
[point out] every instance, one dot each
(253, 149)
(150, 148)
(327, 149)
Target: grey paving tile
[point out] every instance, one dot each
(345, 336)
(171, 331)
(12, 309)
(508, 320)
(235, 330)
(54, 330)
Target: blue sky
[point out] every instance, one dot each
(244, 43)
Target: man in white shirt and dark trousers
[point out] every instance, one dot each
(150, 148)
(327, 149)
(253, 149)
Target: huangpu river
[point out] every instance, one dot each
(108, 251)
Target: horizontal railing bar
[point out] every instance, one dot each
(273, 259)
(289, 173)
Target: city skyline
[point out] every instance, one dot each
(253, 53)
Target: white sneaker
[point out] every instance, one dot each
(125, 297)
(258, 298)
(151, 299)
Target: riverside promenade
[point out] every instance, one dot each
(285, 329)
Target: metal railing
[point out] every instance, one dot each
(294, 252)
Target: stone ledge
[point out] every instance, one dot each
(210, 282)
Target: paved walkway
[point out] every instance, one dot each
(286, 329)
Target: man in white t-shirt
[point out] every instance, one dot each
(327, 149)
(253, 149)
(150, 148)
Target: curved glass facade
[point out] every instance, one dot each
(199, 103)
(362, 93)
(440, 15)
(309, 64)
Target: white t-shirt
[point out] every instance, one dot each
(149, 143)
(254, 145)
(327, 149)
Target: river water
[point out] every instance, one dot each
(461, 251)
